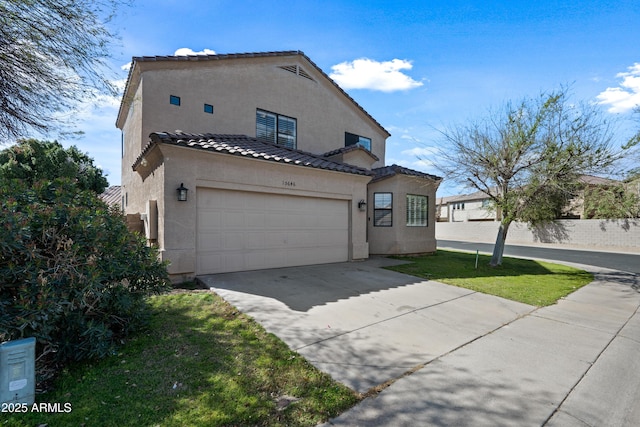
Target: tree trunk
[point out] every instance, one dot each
(498, 249)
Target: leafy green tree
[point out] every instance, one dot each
(31, 160)
(71, 273)
(528, 157)
(52, 56)
(611, 202)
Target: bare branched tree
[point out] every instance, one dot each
(53, 55)
(528, 156)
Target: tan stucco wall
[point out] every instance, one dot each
(399, 238)
(237, 87)
(200, 169)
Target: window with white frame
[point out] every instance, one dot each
(382, 209)
(276, 128)
(417, 209)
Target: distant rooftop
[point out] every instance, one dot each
(112, 195)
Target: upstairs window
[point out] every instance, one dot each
(276, 128)
(382, 209)
(417, 210)
(174, 100)
(353, 139)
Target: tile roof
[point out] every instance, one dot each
(478, 195)
(389, 171)
(218, 57)
(245, 146)
(596, 180)
(349, 149)
(112, 195)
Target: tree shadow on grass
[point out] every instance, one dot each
(456, 265)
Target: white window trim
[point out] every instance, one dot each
(417, 210)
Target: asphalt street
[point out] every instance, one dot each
(615, 261)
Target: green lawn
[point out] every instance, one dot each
(202, 363)
(531, 282)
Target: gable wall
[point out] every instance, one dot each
(237, 87)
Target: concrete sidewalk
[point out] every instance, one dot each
(451, 356)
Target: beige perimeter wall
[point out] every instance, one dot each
(591, 233)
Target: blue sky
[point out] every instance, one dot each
(416, 66)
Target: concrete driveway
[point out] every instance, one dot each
(432, 354)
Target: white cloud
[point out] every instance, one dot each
(625, 97)
(185, 51)
(421, 152)
(410, 138)
(366, 73)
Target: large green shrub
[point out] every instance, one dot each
(31, 160)
(71, 274)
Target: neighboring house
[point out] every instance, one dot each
(112, 196)
(478, 207)
(282, 167)
(466, 207)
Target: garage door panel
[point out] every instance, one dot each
(210, 220)
(276, 220)
(255, 220)
(256, 239)
(213, 261)
(233, 240)
(301, 238)
(209, 241)
(247, 231)
(329, 236)
(234, 218)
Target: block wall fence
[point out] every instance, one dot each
(590, 233)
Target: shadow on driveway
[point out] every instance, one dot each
(302, 288)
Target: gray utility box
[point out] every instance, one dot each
(17, 371)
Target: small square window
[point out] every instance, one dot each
(208, 108)
(174, 100)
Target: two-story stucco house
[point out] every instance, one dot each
(282, 167)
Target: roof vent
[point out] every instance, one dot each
(290, 68)
(303, 73)
(296, 69)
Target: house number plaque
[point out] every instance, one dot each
(288, 183)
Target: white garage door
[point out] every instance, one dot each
(240, 230)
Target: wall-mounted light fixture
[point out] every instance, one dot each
(182, 193)
(362, 205)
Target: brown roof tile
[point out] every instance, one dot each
(112, 195)
(245, 146)
(389, 171)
